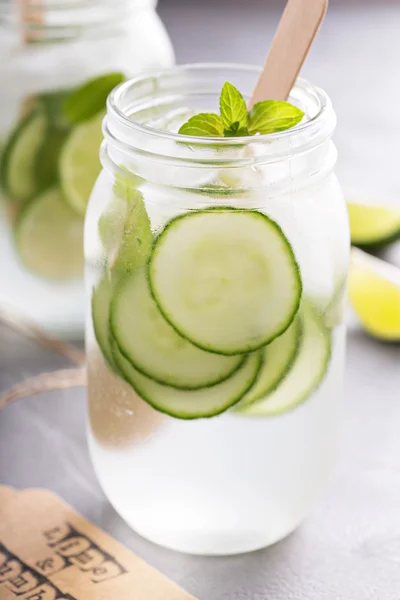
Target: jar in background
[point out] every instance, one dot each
(49, 142)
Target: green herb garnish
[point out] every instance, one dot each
(90, 98)
(204, 124)
(233, 111)
(268, 116)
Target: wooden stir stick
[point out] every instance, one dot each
(293, 39)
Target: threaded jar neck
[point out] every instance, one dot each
(136, 139)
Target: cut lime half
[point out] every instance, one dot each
(374, 288)
(49, 237)
(80, 163)
(373, 225)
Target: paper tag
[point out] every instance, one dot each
(49, 552)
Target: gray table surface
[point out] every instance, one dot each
(349, 548)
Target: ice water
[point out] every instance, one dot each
(226, 485)
(231, 483)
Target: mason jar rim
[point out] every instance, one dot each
(115, 110)
(58, 20)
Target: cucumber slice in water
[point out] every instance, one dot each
(226, 279)
(49, 237)
(125, 229)
(278, 358)
(154, 348)
(192, 404)
(101, 302)
(306, 373)
(18, 167)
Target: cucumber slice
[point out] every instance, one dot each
(227, 279)
(154, 348)
(278, 358)
(18, 167)
(306, 373)
(101, 302)
(125, 229)
(49, 237)
(192, 404)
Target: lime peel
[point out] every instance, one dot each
(373, 225)
(374, 289)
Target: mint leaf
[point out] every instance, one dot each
(203, 124)
(236, 130)
(89, 99)
(232, 107)
(270, 116)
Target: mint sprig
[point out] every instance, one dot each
(268, 116)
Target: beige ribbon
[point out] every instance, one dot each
(45, 382)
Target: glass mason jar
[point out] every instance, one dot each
(208, 434)
(49, 156)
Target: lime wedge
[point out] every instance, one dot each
(80, 163)
(373, 225)
(49, 237)
(374, 288)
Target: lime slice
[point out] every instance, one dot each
(374, 288)
(373, 225)
(80, 163)
(49, 237)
